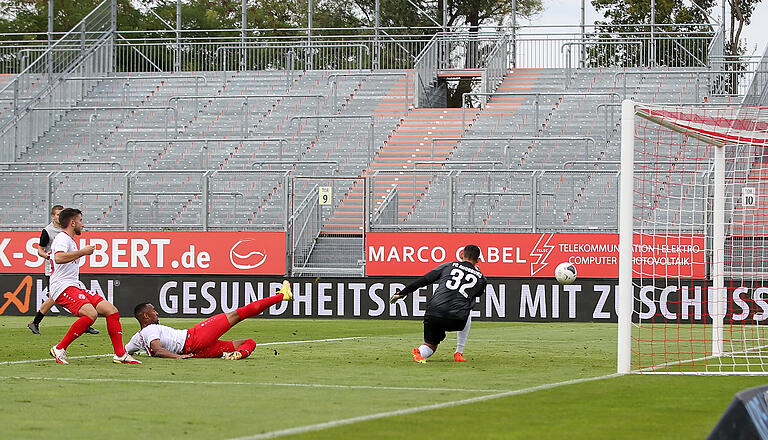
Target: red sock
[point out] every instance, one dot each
(246, 348)
(75, 331)
(259, 306)
(115, 331)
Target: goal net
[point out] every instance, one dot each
(693, 264)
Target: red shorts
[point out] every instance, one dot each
(203, 339)
(74, 297)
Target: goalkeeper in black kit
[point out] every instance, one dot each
(459, 284)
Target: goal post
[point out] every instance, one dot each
(626, 188)
(693, 240)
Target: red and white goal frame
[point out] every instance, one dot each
(693, 239)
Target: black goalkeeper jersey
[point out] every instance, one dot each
(459, 283)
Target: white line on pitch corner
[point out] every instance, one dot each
(29, 361)
(267, 384)
(400, 412)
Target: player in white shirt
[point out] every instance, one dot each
(202, 340)
(67, 291)
(47, 236)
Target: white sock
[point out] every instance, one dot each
(461, 337)
(425, 351)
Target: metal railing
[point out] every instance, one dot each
(387, 211)
(141, 200)
(371, 126)
(609, 45)
(604, 45)
(305, 224)
(496, 66)
(505, 153)
(485, 52)
(244, 127)
(476, 200)
(186, 199)
(425, 68)
(335, 49)
(85, 50)
(334, 86)
(537, 98)
(326, 56)
(757, 93)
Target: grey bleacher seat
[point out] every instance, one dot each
(123, 137)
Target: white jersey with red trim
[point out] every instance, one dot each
(170, 338)
(65, 274)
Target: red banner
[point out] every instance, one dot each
(535, 255)
(221, 253)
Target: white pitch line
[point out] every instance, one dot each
(309, 342)
(400, 412)
(277, 384)
(30, 361)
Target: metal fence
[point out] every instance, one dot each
(684, 45)
(496, 65)
(757, 92)
(603, 45)
(501, 200)
(485, 53)
(151, 200)
(85, 50)
(430, 199)
(327, 225)
(226, 50)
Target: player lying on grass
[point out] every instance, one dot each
(202, 340)
(459, 283)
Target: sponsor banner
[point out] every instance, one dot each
(506, 299)
(140, 252)
(535, 255)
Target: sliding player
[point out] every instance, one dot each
(67, 290)
(202, 340)
(460, 282)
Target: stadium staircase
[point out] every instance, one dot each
(408, 148)
(385, 100)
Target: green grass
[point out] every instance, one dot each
(291, 386)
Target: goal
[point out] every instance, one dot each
(693, 240)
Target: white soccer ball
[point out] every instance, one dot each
(565, 273)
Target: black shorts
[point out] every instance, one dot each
(435, 328)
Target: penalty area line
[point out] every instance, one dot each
(418, 409)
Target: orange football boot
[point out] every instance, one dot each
(417, 357)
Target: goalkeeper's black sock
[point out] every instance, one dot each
(38, 317)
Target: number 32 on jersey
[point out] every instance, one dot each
(461, 281)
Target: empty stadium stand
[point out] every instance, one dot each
(535, 149)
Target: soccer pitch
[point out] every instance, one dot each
(521, 380)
